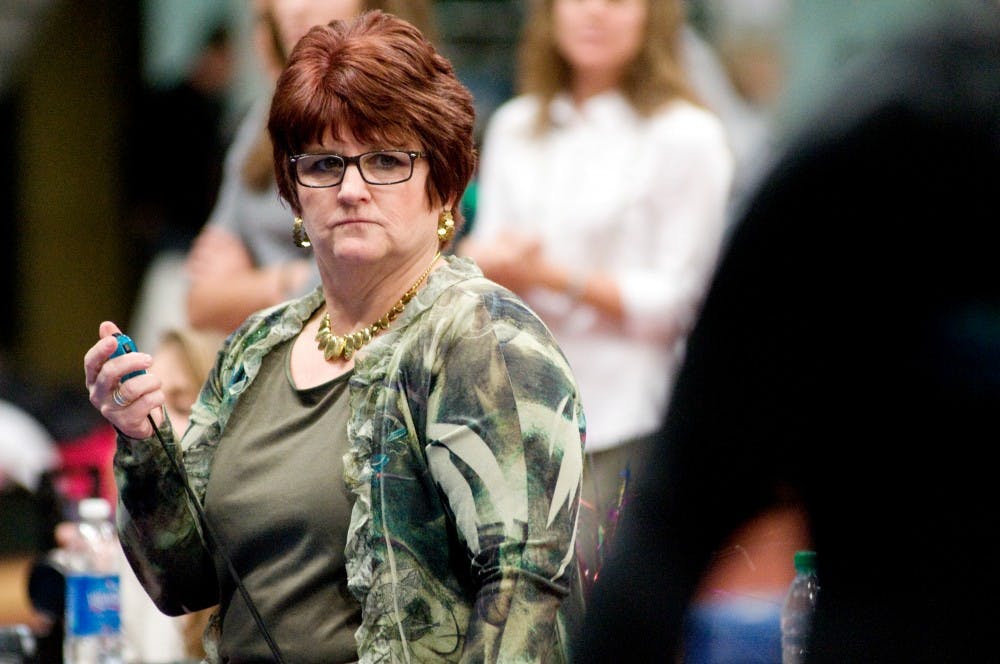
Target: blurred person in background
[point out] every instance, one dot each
(243, 259)
(28, 510)
(27, 451)
(601, 200)
(176, 151)
(848, 355)
(393, 460)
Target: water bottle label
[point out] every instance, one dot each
(92, 605)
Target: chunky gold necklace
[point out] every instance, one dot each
(344, 347)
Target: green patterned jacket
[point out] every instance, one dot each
(466, 436)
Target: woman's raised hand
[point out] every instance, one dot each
(125, 404)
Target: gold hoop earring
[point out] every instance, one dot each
(446, 228)
(299, 236)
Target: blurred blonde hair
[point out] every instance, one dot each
(198, 348)
(655, 77)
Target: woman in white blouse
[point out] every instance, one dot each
(602, 191)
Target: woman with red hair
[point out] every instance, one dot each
(393, 460)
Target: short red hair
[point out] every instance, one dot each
(377, 78)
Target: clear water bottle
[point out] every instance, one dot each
(797, 611)
(93, 600)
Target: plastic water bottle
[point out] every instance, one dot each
(93, 600)
(798, 609)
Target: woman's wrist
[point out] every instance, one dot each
(575, 285)
(569, 281)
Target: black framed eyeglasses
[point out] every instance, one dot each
(377, 167)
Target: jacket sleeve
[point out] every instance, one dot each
(156, 522)
(160, 537)
(505, 433)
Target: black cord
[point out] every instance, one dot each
(216, 543)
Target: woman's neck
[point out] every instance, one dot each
(356, 297)
(586, 85)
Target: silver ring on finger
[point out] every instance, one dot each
(117, 397)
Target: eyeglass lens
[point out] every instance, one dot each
(327, 170)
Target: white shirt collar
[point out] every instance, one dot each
(605, 109)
